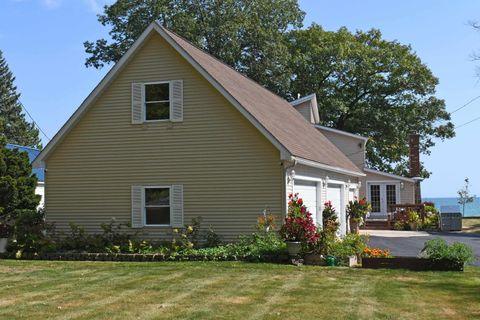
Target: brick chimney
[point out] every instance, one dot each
(414, 166)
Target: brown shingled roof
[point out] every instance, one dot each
(274, 113)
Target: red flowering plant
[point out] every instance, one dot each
(358, 209)
(298, 224)
(330, 219)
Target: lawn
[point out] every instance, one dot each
(229, 290)
(471, 225)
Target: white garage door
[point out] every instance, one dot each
(307, 190)
(334, 194)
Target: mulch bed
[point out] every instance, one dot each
(412, 263)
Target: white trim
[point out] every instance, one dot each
(303, 99)
(345, 133)
(307, 178)
(75, 117)
(319, 165)
(144, 102)
(144, 216)
(313, 98)
(284, 153)
(383, 193)
(110, 76)
(390, 175)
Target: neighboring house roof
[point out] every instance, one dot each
(389, 175)
(345, 133)
(32, 154)
(286, 128)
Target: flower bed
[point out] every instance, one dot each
(412, 263)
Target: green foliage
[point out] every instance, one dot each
(439, 249)
(14, 126)
(350, 245)
(245, 34)
(330, 219)
(358, 209)
(413, 217)
(464, 195)
(212, 239)
(17, 188)
(369, 86)
(32, 233)
(432, 219)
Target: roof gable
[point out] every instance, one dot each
(272, 115)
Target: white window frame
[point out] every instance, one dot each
(144, 102)
(383, 193)
(144, 206)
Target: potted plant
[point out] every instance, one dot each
(357, 210)
(413, 220)
(298, 228)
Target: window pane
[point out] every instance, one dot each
(157, 215)
(375, 197)
(391, 194)
(157, 111)
(157, 197)
(157, 92)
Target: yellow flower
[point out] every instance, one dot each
(190, 229)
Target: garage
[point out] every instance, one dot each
(335, 195)
(307, 190)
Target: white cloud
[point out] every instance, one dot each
(51, 4)
(94, 5)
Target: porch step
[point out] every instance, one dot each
(376, 225)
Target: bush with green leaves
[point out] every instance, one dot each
(439, 249)
(350, 245)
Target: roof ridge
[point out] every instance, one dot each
(219, 60)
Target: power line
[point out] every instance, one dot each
(468, 122)
(33, 120)
(466, 104)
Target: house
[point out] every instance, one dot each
(381, 189)
(171, 133)
(38, 172)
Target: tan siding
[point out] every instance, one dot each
(230, 172)
(406, 194)
(351, 147)
(305, 110)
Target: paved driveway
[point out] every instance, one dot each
(410, 243)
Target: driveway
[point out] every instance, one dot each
(410, 243)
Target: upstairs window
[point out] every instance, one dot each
(157, 101)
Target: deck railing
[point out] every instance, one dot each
(400, 211)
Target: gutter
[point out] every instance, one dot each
(319, 165)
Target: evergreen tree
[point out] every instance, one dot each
(15, 128)
(17, 187)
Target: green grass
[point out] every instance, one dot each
(471, 225)
(227, 290)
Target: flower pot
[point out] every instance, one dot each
(293, 247)
(354, 226)
(3, 245)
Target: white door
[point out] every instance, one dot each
(335, 195)
(381, 195)
(307, 191)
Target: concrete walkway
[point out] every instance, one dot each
(410, 243)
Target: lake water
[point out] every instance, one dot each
(471, 209)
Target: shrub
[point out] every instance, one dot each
(350, 245)
(439, 249)
(432, 218)
(330, 219)
(212, 239)
(298, 224)
(399, 225)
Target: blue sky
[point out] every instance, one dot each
(42, 41)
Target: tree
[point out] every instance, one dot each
(17, 187)
(245, 34)
(15, 127)
(464, 196)
(372, 87)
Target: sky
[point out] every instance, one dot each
(42, 41)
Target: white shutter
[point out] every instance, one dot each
(137, 102)
(137, 204)
(177, 206)
(176, 100)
